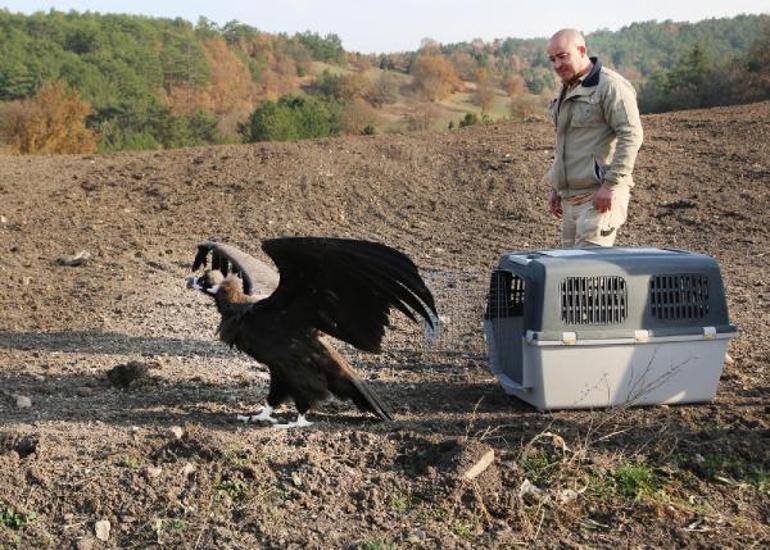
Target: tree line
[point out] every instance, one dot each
(84, 82)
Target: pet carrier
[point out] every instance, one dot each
(600, 327)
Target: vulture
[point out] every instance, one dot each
(343, 288)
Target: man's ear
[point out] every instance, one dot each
(582, 50)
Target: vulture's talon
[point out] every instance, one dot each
(301, 422)
(264, 415)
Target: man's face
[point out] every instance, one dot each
(567, 58)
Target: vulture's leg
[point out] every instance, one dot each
(301, 422)
(302, 407)
(277, 394)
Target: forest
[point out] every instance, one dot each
(85, 82)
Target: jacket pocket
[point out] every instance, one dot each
(599, 170)
(586, 111)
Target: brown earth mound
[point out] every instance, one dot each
(94, 254)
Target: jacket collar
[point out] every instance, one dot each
(593, 77)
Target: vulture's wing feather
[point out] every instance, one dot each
(258, 277)
(346, 287)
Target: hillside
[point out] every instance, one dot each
(160, 83)
(165, 462)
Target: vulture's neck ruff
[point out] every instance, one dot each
(229, 295)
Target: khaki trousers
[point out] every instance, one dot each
(583, 226)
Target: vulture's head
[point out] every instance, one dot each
(225, 290)
(208, 283)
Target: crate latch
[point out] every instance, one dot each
(642, 335)
(709, 333)
(569, 338)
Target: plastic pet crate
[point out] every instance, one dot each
(600, 327)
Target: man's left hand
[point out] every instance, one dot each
(603, 198)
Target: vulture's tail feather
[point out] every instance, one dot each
(352, 387)
(370, 400)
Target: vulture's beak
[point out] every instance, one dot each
(192, 283)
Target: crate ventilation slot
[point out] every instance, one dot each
(506, 295)
(679, 297)
(594, 300)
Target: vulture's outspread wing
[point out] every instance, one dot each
(346, 287)
(258, 277)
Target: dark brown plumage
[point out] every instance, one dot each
(341, 287)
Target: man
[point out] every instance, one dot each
(598, 134)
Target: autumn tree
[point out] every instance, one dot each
(465, 65)
(229, 94)
(53, 121)
(484, 94)
(429, 46)
(434, 77)
(343, 87)
(528, 107)
(514, 84)
(384, 89)
(357, 116)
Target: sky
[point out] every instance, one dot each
(381, 26)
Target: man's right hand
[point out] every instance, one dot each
(554, 204)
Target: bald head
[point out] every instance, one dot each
(568, 54)
(571, 37)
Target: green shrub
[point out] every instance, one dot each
(292, 117)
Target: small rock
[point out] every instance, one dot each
(188, 469)
(530, 492)
(728, 359)
(74, 260)
(23, 402)
(153, 471)
(480, 465)
(102, 530)
(3, 220)
(296, 479)
(86, 543)
(177, 431)
(84, 391)
(123, 375)
(567, 495)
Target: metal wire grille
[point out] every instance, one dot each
(506, 295)
(600, 300)
(679, 296)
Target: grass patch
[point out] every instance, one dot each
(401, 502)
(540, 465)
(468, 528)
(233, 488)
(132, 463)
(12, 518)
(239, 459)
(634, 481)
(718, 467)
(377, 545)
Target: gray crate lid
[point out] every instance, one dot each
(614, 292)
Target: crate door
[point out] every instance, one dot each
(504, 325)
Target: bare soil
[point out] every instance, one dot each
(154, 448)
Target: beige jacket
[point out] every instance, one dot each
(598, 134)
